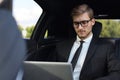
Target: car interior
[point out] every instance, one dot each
(56, 22)
(55, 25)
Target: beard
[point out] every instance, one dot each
(83, 35)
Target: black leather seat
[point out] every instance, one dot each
(97, 28)
(117, 47)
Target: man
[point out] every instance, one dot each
(97, 59)
(12, 46)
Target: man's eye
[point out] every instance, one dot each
(84, 22)
(76, 23)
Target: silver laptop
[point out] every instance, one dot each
(34, 70)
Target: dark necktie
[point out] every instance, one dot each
(77, 53)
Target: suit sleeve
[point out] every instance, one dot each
(113, 65)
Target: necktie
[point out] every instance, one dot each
(77, 53)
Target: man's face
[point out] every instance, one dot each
(83, 25)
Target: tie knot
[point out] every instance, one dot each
(81, 42)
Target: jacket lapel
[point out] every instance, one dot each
(90, 53)
(68, 49)
(70, 44)
(64, 49)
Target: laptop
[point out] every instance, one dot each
(34, 70)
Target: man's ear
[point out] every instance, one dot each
(93, 21)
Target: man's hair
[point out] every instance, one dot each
(80, 9)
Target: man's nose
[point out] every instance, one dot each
(79, 25)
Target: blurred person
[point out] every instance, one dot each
(12, 46)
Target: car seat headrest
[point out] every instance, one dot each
(97, 28)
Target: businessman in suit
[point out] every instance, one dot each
(97, 60)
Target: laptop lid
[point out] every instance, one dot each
(34, 70)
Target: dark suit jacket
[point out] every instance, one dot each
(100, 62)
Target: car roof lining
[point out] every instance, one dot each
(104, 9)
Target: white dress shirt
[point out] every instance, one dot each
(82, 56)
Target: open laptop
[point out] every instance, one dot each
(34, 70)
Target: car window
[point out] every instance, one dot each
(110, 28)
(26, 13)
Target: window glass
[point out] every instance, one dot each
(26, 13)
(110, 28)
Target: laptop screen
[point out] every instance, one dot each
(34, 70)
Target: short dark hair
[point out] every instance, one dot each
(80, 9)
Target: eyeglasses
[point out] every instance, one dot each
(82, 23)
